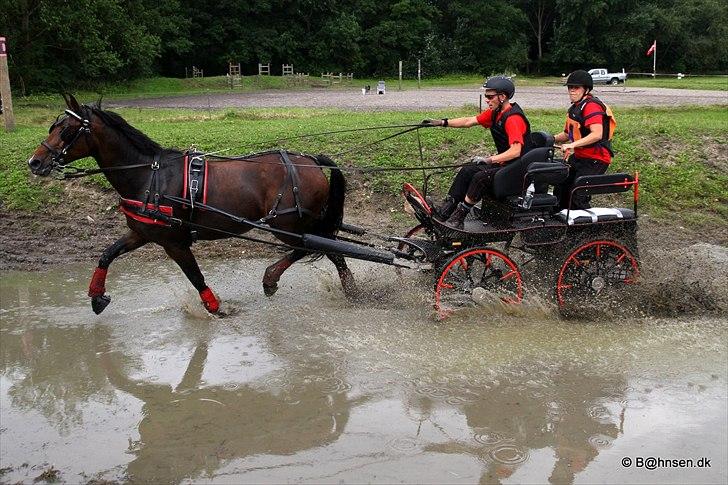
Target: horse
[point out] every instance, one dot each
(238, 190)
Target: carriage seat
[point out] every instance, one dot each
(595, 214)
(509, 180)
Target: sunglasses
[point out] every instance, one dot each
(490, 96)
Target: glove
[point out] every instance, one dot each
(429, 122)
(481, 160)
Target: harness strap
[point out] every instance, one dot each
(293, 174)
(293, 179)
(153, 186)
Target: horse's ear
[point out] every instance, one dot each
(73, 104)
(65, 98)
(98, 103)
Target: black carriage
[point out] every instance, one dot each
(581, 255)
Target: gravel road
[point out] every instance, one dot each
(424, 99)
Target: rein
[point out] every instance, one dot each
(66, 171)
(70, 172)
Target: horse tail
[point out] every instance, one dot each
(334, 212)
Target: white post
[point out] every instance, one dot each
(654, 61)
(419, 72)
(400, 75)
(5, 92)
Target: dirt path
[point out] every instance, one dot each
(424, 99)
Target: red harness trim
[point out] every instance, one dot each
(185, 172)
(130, 206)
(204, 185)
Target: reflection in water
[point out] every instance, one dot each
(189, 430)
(308, 387)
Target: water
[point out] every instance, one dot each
(308, 387)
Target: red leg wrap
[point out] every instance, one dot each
(209, 300)
(98, 280)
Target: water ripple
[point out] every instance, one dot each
(508, 454)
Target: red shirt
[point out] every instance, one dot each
(515, 126)
(595, 152)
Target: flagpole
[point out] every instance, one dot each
(654, 60)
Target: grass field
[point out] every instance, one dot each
(680, 153)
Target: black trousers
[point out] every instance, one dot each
(578, 167)
(473, 181)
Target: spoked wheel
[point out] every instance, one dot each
(593, 270)
(474, 274)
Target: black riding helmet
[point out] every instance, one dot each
(580, 78)
(501, 84)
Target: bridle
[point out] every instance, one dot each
(58, 163)
(58, 155)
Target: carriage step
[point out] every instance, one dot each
(351, 250)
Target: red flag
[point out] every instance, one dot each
(652, 48)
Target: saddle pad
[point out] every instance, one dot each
(595, 214)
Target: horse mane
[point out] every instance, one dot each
(139, 140)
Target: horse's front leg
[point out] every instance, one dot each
(129, 242)
(347, 279)
(182, 255)
(274, 271)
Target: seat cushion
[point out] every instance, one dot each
(595, 214)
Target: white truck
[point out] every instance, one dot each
(602, 76)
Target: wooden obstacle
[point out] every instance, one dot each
(197, 72)
(234, 77)
(264, 69)
(331, 78)
(287, 70)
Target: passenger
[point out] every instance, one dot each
(512, 138)
(587, 135)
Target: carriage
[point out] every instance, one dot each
(518, 235)
(581, 256)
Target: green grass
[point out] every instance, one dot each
(715, 83)
(672, 148)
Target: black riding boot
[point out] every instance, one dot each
(457, 218)
(445, 209)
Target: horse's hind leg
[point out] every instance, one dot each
(347, 279)
(182, 255)
(274, 271)
(127, 243)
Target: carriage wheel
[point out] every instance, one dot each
(473, 274)
(593, 269)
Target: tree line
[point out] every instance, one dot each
(59, 43)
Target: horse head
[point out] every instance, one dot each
(68, 139)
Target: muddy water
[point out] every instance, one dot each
(307, 387)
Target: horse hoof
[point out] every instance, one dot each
(270, 290)
(99, 303)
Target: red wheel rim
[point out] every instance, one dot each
(488, 269)
(594, 266)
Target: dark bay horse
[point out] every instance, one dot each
(248, 188)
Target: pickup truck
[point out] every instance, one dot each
(601, 76)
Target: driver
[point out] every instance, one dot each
(511, 134)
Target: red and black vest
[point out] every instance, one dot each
(498, 130)
(575, 120)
